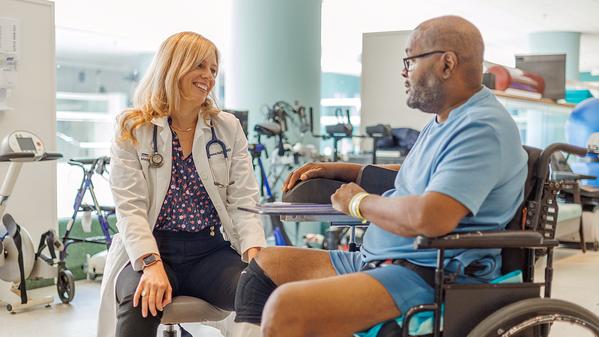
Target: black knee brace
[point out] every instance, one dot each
(253, 290)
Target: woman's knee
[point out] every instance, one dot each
(126, 284)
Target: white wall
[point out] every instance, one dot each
(383, 91)
(33, 203)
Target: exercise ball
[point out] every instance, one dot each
(582, 123)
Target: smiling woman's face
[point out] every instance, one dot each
(197, 84)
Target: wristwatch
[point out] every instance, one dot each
(150, 260)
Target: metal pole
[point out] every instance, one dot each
(9, 184)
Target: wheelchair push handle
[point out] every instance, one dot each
(568, 148)
(545, 157)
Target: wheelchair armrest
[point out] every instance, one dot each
(565, 175)
(503, 239)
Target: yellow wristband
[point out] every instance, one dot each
(357, 205)
(351, 206)
(354, 205)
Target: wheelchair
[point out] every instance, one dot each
(493, 309)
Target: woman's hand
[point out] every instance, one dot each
(154, 290)
(341, 198)
(252, 252)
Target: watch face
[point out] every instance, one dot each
(149, 259)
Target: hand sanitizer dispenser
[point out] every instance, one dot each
(9, 51)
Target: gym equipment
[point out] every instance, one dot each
(377, 132)
(90, 166)
(581, 198)
(19, 260)
(343, 129)
(506, 78)
(274, 126)
(582, 129)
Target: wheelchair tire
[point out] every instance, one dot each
(65, 285)
(521, 316)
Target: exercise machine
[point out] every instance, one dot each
(90, 167)
(19, 259)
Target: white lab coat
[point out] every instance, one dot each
(139, 191)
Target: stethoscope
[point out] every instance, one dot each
(157, 160)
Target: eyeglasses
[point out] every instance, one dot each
(409, 65)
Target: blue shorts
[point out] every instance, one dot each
(406, 287)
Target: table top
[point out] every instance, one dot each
(300, 212)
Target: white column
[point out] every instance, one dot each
(274, 55)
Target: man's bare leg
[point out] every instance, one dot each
(288, 264)
(312, 300)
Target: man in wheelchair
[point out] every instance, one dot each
(465, 173)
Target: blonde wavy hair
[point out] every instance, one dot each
(158, 93)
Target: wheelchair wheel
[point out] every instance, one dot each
(65, 284)
(529, 317)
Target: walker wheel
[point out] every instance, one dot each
(9, 307)
(65, 284)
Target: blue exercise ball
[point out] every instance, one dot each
(584, 121)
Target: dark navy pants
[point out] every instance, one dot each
(197, 265)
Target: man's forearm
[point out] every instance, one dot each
(396, 215)
(394, 167)
(431, 214)
(346, 171)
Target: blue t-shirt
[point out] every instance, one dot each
(476, 158)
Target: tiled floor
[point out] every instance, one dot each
(576, 280)
(77, 319)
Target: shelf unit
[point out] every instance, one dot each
(540, 121)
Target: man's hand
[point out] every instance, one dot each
(154, 290)
(342, 171)
(340, 199)
(251, 253)
(307, 171)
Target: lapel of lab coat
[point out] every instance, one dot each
(200, 159)
(161, 175)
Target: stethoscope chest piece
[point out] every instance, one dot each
(156, 160)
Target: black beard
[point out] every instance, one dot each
(426, 95)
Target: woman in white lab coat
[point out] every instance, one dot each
(180, 170)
